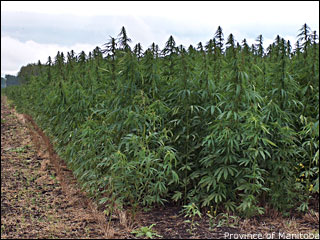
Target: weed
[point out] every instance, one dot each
(191, 210)
(223, 220)
(19, 149)
(147, 232)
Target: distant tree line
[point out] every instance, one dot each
(23, 76)
(3, 82)
(10, 80)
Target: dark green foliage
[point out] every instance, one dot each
(229, 125)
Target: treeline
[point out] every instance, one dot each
(10, 80)
(23, 75)
(222, 124)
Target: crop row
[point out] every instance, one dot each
(225, 124)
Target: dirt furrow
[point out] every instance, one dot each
(37, 201)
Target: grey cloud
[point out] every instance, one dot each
(58, 29)
(67, 29)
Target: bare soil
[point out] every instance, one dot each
(40, 198)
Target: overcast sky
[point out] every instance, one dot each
(32, 31)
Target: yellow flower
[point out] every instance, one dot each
(311, 187)
(215, 212)
(208, 211)
(301, 165)
(297, 180)
(302, 175)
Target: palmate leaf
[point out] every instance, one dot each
(177, 196)
(244, 161)
(208, 181)
(226, 171)
(216, 197)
